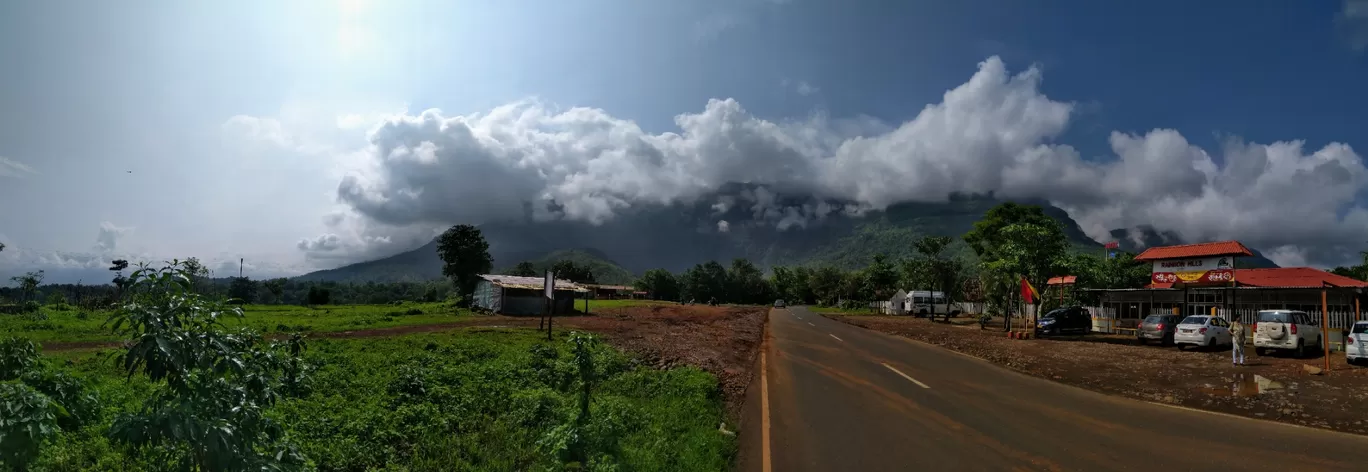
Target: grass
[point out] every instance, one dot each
(599, 304)
(843, 311)
(468, 399)
(75, 326)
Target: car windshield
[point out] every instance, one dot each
(1054, 313)
(1194, 320)
(1360, 328)
(1275, 317)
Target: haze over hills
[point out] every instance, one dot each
(676, 237)
(1138, 238)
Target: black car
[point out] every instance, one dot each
(1067, 320)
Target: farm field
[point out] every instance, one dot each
(465, 399)
(448, 390)
(72, 326)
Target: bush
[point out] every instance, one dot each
(18, 356)
(30, 418)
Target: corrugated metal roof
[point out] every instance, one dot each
(1221, 248)
(530, 283)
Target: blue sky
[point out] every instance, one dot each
(242, 122)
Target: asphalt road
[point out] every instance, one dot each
(839, 397)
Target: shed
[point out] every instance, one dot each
(514, 295)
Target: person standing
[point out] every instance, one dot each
(1237, 342)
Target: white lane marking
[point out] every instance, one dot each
(834, 336)
(905, 376)
(812, 325)
(800, 318)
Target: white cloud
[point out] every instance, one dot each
(994, 133)
(12, 168)
(108, 238)
(1353, 21)
(723, 226)
(1287, 256)
(805, 88)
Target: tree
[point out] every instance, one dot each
(944, 273)
(119, 265)
(825, 284)
(197, 273)
(747, 284)
(465, 255)
(2, 247)
(568, 270)
(1014, 241)
(659, 284)
(319, 295)
(524, 269)
(28, 284)
(242, 289)
(987, 235)
(881, 279)
(276, 287)
(704, 283)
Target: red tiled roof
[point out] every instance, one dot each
(1222, 248)
(1293, 277)
(1062, 280)
(1164, 285)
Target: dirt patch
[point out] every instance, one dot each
(1274, 387)
(722, 340)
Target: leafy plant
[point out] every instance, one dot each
(17, 357)
(27, 419)
(213, 386)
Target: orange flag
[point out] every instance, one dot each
(1028, 293)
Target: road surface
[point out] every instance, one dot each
(839, 397)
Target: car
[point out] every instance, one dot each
(1157, 328)
(779, 304)
(1072, 319)
(1202, 330)
(1285, 330)
(1356, 343)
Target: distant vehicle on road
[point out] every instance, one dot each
(1157, 328)
(1202, 330)
(779, 304)
(1286, 330)
(1074, 319)
(1356, 343)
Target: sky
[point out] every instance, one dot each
(310, 134)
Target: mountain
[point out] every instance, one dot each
(605, 271)
(1142, 237)
(722, 227)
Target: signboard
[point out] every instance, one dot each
(549, 284)
(1194, 271)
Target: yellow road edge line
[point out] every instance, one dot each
(905, 376)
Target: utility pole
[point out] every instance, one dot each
(241, 260)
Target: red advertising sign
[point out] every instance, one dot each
(1203, 270)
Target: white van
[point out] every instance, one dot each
(924, 302)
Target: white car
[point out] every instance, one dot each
(1356, 343)
(1202, 330)
(1286, 330)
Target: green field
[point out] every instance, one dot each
(601, 304)
(76, 326)
(467, 399)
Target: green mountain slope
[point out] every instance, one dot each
(604, 270)
(678, 236)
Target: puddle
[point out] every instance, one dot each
(1244, 385)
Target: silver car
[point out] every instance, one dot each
(1157, 328)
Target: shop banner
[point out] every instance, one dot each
(1194, 271)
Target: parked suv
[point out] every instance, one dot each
(1285, 330)
(1072, 319)
(1157, 328)
(779, 304)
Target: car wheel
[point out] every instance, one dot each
(1258, 351)
(1211, 342)
(1301, 348)
(1182, 347)
(1141, 340)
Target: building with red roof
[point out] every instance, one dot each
(1201, 279)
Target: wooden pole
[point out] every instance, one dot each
(1356, 308)
(1325, 325)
